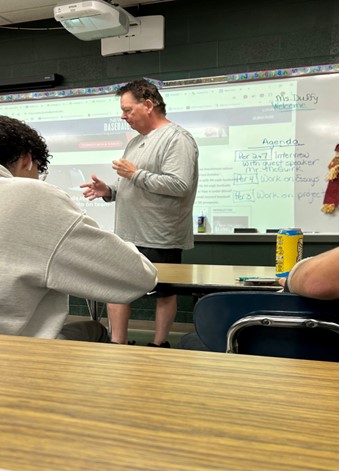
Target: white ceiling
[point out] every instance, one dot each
(21, 11)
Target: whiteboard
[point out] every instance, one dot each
(264, 146)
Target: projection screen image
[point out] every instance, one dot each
(259, 163)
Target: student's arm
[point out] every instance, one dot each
(316, 277)
(89, 262)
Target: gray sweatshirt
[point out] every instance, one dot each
(50, 249)
(155, 207)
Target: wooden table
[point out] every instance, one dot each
(71, 406)
(195, 279)
(204, 279)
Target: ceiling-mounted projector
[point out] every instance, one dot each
(90, 20)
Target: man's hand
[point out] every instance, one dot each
(95, 189)
(124, 168)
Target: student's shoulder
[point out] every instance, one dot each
(37, 189)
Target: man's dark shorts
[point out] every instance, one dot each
(162, 256)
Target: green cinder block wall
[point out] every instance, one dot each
(202, 39)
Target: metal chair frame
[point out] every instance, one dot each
(274, 319)
(236, 322)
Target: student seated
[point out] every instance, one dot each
(50, 249)
(315, 277)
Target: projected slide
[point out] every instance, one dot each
(235, 128)
(258, 166)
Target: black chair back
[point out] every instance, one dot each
(280, 324)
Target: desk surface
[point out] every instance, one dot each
(188, 279)
(210, 278)
(79, 406)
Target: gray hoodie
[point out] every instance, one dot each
(50, 249)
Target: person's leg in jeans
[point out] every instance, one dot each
(86, 331)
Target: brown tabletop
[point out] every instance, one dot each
(195, 279)
(81, 406)
(204, 279)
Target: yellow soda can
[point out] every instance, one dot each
(289, 250)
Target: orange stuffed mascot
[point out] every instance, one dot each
(331, 198)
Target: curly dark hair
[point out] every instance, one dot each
(17, 138)
(144, 90)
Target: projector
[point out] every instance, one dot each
(90, 20)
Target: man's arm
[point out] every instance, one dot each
(178, 171)
(316, 277)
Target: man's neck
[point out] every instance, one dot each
(157, 123)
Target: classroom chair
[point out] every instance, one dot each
(270, 324)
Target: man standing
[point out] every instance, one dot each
(154, 195)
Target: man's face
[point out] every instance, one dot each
(136, 114)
